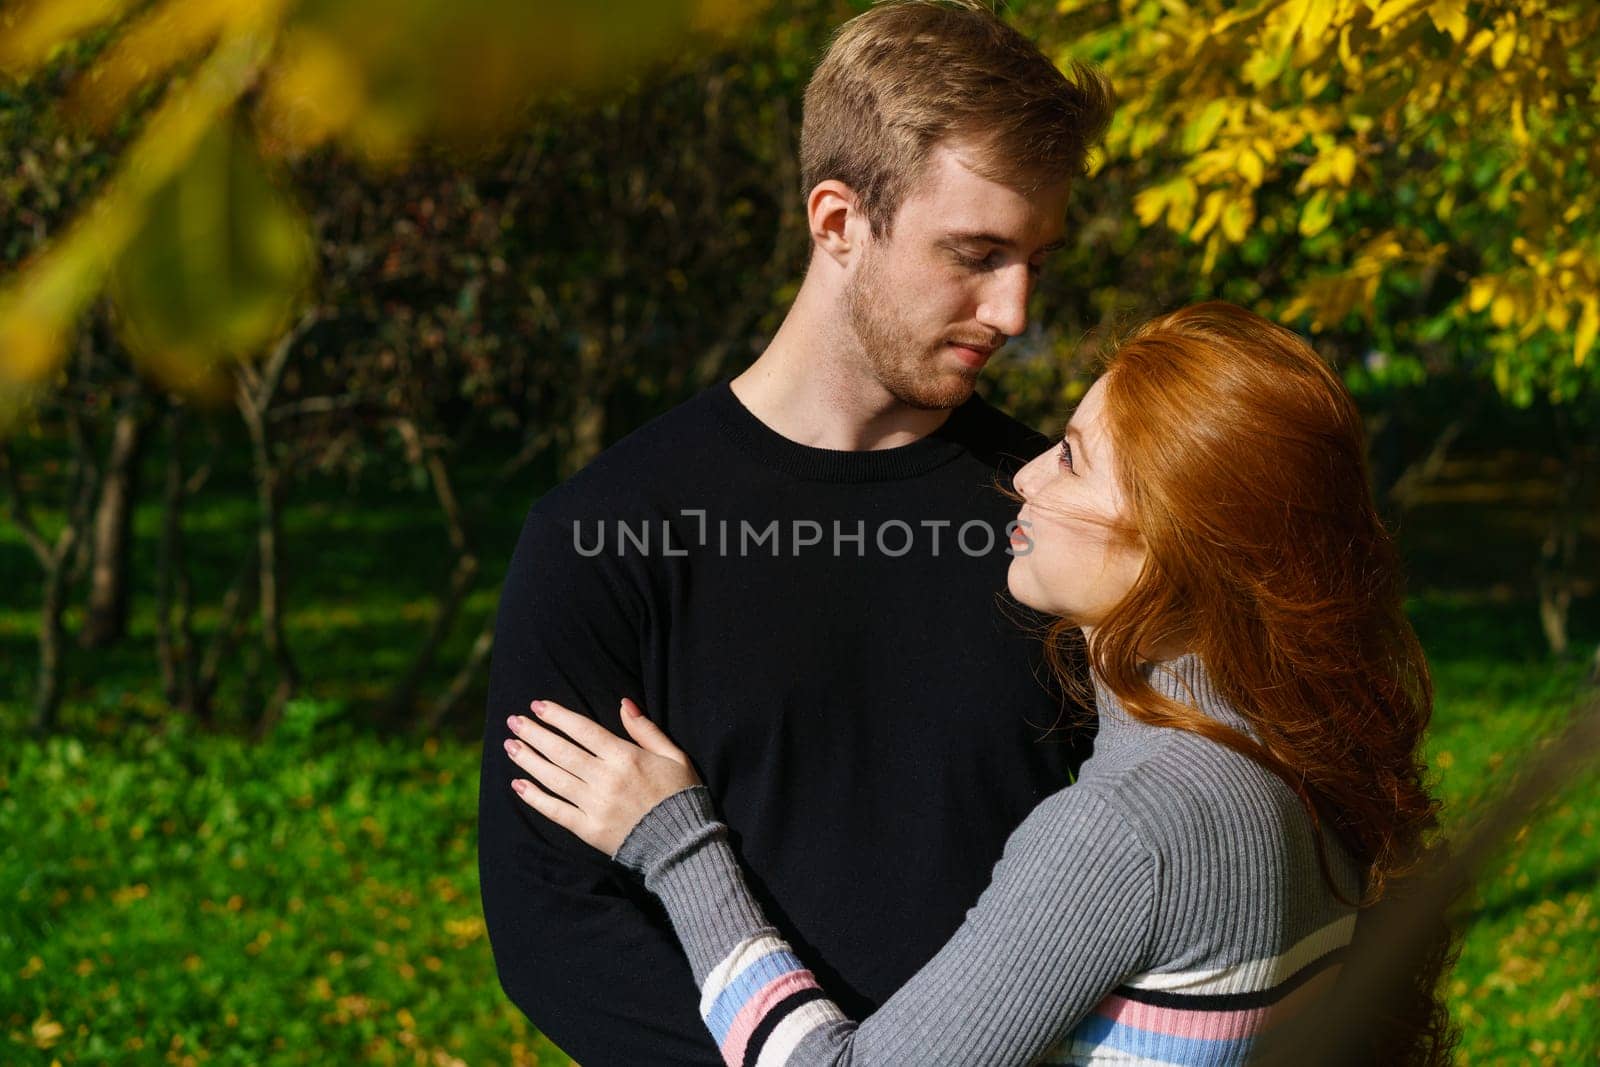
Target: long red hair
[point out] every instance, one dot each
(1243, 462)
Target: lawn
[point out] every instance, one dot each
(187, 898)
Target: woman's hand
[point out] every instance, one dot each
(605, 786)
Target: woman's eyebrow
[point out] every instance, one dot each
(1082, 452)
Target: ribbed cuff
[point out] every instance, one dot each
(673, 824)
(682, 850)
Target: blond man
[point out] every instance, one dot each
(799, 572)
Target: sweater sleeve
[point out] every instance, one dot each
(579, 947)
(1065, 918)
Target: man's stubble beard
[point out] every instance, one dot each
(910, 374)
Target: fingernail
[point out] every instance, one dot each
(538, 708)
(520, 786)
(511, 746)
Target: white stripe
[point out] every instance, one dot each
(787, 1035)
(1085, 1054)
(1253, 976)
(743, 955)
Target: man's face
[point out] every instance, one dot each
(931, 304)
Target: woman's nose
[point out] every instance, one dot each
(1028, 478)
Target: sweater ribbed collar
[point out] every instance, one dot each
(1185, 680)
(770, 447)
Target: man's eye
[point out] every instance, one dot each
(1066, 454)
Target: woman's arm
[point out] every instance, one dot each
(1065, 918)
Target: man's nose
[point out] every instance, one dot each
(1005, 303)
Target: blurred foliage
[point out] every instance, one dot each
(1419, 170)
(381, 80)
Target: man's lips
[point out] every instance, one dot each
(973, 355)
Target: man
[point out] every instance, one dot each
(800, 573)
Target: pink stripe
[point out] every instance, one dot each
(757, 1007)
(1182, 1022)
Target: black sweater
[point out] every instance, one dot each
(827, 635)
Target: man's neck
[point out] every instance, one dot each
(807, 387)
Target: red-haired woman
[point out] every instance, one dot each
(1206, 524)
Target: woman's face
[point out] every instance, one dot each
(1066, 563)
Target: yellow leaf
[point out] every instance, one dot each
(1210, 212)
(1502, 309)
(1150, 204)
(1316, 215)
(1181, 196)
(316, 94)
(1390, 10)
(1318, 17)
(1558, 316)
(1344, 164)
(33, 31)
(1588, 327)
(1519, 122)
(1199, 131)
(1479, 294)
(1450, 16)
(1505, 42)
(46, 1031)
(1250, 168)
(1237, 217)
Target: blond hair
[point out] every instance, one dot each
(908, 75)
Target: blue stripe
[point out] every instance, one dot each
(745, 985)
(1099, 1030)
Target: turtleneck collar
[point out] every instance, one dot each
(1184, 679)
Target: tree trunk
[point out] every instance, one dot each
(53, 559)
(1556, 574)
(402, 698)
(461, 684)
(254, 395)
(107, 609)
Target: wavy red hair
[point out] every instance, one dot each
(1243, 462)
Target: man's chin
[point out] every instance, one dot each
(947, 390)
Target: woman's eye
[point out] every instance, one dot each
(1066, 454)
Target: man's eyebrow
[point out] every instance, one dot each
(999, 241)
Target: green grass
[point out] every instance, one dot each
(184, 898)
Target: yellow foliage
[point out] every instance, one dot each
(1452, 103)
(1588, 328)
(1316, 215)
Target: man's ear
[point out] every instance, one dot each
(837, 225)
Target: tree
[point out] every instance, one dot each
(1408, 177)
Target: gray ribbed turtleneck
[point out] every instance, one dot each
(1154, 909)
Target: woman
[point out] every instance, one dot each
(1206, 525)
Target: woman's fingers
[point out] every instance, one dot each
(580, 728)
(651, 737)
(557, 779)
(555, 809)
(552, 746)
